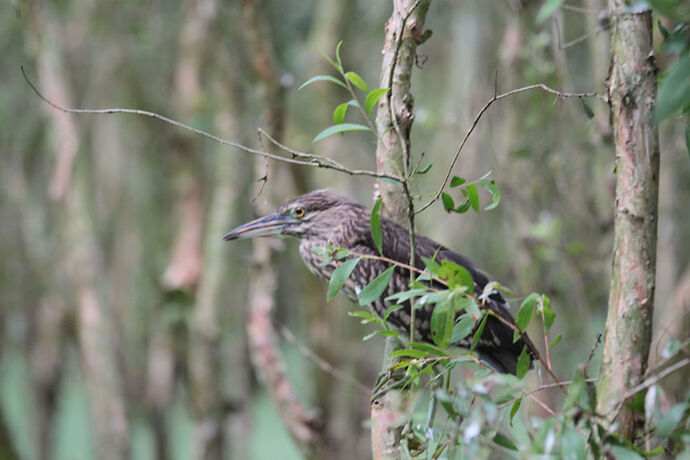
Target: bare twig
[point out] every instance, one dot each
(306, 159)
(320, 363)
(497, 97)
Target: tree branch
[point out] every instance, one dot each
(498, 97)
(306, 159)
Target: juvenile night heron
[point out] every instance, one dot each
(318, 218)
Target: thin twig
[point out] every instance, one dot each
(306, 159)
(543, 387)
(655, 378)
(496, 97)
(319, 362)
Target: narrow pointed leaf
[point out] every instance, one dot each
(472, 196)
(587, 109)
(373, 290)
(522, 363)
(373, 97)
(358, 81)
(478, 334)
(547, 9)
(457, 181)
(524, 315)
(339, 113)
(495, 194)
(391, 309)
(322, 78)
(337, 56)
(556, 341)
(674, 89)
(340, 128)
(426, 168)
(442, 319)
(448, 203)
(375, 224)
(462, 329)
(504, 441)
(339, 276)
(514, 409)
(575, 389)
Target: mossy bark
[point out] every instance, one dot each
(632, 94)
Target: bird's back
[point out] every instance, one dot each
(496, 346)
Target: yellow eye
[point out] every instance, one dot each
(298, 212)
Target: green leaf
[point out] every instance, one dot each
(372, 98)
(322, 78)
(426, 168)
(339, 276)
(391, 309)
(405, 295)
(495, 194)
(556, 341)
(504, 441)
(358, 81)
(472, 196)
(456, 181)
(575, 389)
(457, 276)
(337, 56)
(448, 203)
(687, 139)
(426, 347)
(674, 90)
(388, 332)
(339, 113)
(462, 329)
(547, 9)
(587, 109)
(463, 208)
(478, 334)
(523, 363)
(410, 353)
(514, 409)
(442, 319)
(549, 318)
(524, 315)
(375, 224)
(367, 317)
(340, 128)
(670, 420)
(373, 290)
(624, 453)
(664, 31)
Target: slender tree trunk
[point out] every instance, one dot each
(404, 31)
(632, 95)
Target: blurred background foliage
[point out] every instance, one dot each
(111, 225)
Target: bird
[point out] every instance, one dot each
(320, 219)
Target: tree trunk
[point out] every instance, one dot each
(404, 29)
(632, 96)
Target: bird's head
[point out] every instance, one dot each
(312, 214)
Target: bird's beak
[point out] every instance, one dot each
(272, 224)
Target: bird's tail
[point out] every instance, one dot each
(497, 349)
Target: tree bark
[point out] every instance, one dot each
(399, 53)
(404, 30)
(632, 96)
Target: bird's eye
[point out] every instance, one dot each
(298, 212)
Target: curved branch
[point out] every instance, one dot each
(305, 159)
(496, 97)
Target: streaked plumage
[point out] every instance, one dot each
(318, 218)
